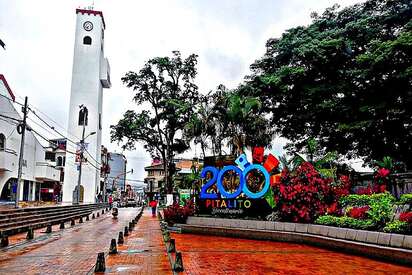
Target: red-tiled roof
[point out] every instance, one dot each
(2, 78)
(89, 12)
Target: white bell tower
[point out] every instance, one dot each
(91, 73)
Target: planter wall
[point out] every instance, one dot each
(363, 236)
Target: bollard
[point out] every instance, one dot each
(100, 263)
(49, 228)
(62, 225)
(81, 220)
(171, 248)
(178, 265)
(102, 211)
(126, 231)
(30, 234)
(113, 247)
(166, 236)
(87, 218)
(97, 215)
(4, 240)
(72, 223)
(107, 209)
(120, 239)
(130, 226)
(93, 216)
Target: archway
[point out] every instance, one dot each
(8, 193)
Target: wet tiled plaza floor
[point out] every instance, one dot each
(221, 255)
(74, 250)
(69, 251)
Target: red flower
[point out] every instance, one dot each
(358, 212)
(303, 194)
(383, 172)
(406, 217)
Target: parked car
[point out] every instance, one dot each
(131, 203)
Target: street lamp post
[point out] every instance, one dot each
(84, 110)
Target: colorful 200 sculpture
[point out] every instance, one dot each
(242, 169)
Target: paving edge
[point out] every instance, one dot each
(388, 254)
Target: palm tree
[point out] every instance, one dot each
(246, 125)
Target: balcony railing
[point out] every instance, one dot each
(46, 172)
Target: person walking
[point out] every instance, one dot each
(110, 202)
(153, 205)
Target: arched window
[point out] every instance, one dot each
(64, 161)
(2, 142)
(83, 114)
(87, 40)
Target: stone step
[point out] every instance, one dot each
(44, 217)
(10, 217)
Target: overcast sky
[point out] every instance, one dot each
(228, 35)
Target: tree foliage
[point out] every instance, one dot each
(225, 117)
(345, 80)
(166, 92)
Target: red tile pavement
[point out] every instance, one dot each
(221, 255)
(143, 251)
(70, 251)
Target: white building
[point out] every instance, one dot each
(39, 175)
(117, 176)
(91, 73)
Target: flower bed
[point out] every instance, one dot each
(371, 212)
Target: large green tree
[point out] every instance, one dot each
(165, 90)
(345, 79)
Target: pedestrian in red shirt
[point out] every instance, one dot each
(153, 205)
(110, 202)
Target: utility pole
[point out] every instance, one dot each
(81, 155)
(21, 154)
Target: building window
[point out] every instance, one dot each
(100, 121)
(59, 161)
(2, 142)
(87, 40)
(50, 156)
(83, 116)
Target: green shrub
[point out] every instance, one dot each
(346, 222)
(349, 222)
(396, 227)
(326, 220)
(361, 200)
(405, 199)
(381, 209)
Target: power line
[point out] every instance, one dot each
(39, 125)
(48, 117)
(12, 118)
(127, 179)
(9, 122)
(11, 100)
(48, 140)
(92, 157)
(51, 127)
